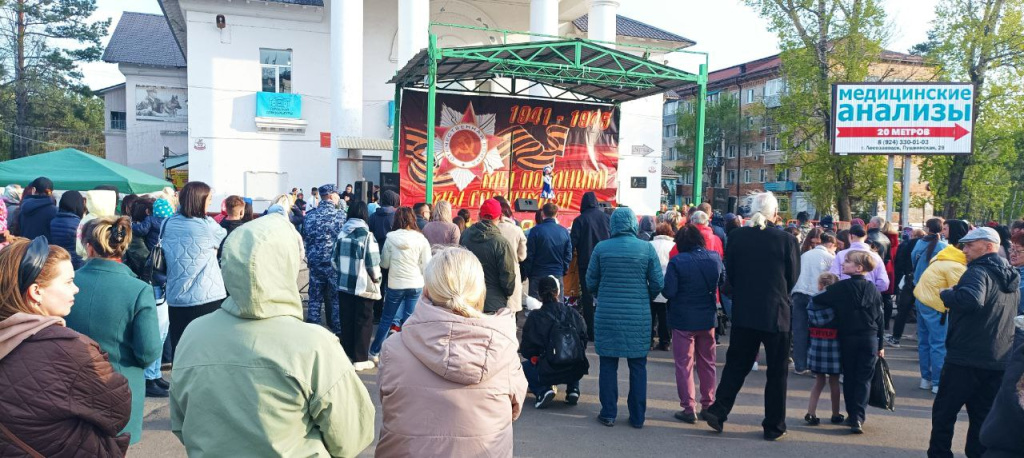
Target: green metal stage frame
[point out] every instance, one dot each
(565, 68)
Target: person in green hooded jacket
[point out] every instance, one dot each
(254, 379)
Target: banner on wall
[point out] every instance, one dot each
(520, 148)
(161, 103)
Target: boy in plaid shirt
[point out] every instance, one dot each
(857, 305)
(823, 354)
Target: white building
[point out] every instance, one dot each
(335, 57)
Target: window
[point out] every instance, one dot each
(761, 175)
(746, 175)
(774, 87)
(118, 120)
(670, 130)
(731, 176)
(671, 108)
(783, 175)
(750, 96)
(747, 149)
(276, 69)
(713, 98)
(730, 152)
(771, 143)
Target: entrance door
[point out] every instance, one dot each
(352, 170)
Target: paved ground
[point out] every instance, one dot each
(572, 431)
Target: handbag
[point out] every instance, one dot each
(366, 287)
(19, 443)
(156, 264)
(883, 393)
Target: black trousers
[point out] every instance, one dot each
(744, 345)
(659, 322)
(887, 305)
(960, 386)
(587, 304)
(356, 325)
(858, 355)
(904, 307)
(180, 317)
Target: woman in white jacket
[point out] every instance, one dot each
(813, 263)
(663, 241)
(406, 253)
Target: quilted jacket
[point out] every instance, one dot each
(190, 248)
(64, 232)
(58, 392)
(625, 275)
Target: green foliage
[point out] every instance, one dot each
(981, 42)
(825, 42)
(722, 126)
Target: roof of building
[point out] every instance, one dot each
(109, 89)
(143, 39)
(633, 28)
(300, 2)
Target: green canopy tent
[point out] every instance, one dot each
(74, 170)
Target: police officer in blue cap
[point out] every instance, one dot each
(319, 231)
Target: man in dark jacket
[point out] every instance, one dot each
(548, 250)
(879, 242)
(37, 210)
(904, 270)
(381, 220)
(718, 231)
(591, 227)
(499, 262)
(1001, 432)
(762, 264)
(422, 211)
(981, 310)
(540, 372)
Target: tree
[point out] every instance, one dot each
(824, 42)
(980, 41)
(722, 127)
(30, 30)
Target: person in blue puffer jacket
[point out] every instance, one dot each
(149, 227)
(64, 226)
(190, 239)
(624, 275)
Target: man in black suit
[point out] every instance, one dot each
(762, 264)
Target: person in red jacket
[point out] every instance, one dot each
(59, 395)
(703, 223)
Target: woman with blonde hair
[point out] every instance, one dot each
(441, 230)
(118, 310)
(77, 404)
(446, 356)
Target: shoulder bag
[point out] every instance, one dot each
(156, 264)
(19, 443)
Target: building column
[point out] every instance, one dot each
(347, 78)
(543, 20)
(413, 27)
(601, 21)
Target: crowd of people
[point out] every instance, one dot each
(95, 298)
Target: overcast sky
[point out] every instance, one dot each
(729, 31)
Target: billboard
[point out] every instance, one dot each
(520, 148)
(160, 103)
(903, 118)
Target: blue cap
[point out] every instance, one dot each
(327, 189)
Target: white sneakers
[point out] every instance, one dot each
(364, 366)
(755, 367)
(927, 385)
(935, 389)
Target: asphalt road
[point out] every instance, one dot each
(567, 431)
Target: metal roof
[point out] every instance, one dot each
(633, 28)
(299, 2)
(575, 67)
(143, 39)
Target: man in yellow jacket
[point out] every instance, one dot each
(253, 379)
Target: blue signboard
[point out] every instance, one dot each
(278, 105)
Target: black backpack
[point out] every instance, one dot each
(565, 349)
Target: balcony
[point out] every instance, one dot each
(780, 186)
(773, 157)
(773, 101)
(279, 113)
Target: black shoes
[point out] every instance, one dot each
(773, 436)
(856, 427)
(544, 399)
(838, 418)
(606, 421)
(714, 422)
(572, 398)
(163, 383)
(153, 390)
(685, 417)
(812, 420)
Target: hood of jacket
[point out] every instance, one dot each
(1005, 275)
(589, 200)
(403, 239)
(623, 222)
(483, 231)
(461, 350)
(951, 253)
(34, 203)
(101, 202)
(260, 262)
(389, 198)
(352, 224)
(20, 326)
(647, 224)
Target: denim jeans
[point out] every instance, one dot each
(398, 303)
(931, 342)
(801, 331)
(153, 371)
(608, 383)
(533, 379)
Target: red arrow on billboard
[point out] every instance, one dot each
(956, 132)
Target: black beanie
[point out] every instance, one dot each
(957, 230)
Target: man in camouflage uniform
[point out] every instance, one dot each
(319, 231)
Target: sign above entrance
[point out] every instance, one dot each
(903, 118)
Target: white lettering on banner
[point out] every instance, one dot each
(903, 118)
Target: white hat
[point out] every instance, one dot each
(982, 233)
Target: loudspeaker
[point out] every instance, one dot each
(604, 205)
(732, 205)
(362, 191)
(389, 182)
(720, 200)
(526, 205)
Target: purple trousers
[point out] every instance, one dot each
(689, 349)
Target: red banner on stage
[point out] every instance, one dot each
(519, 148)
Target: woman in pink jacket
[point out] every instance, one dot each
(451, 383)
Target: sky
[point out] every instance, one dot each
(731, 32)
